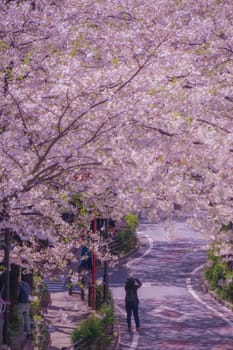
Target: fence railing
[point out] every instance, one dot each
(114, 245)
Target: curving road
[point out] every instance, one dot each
(175, 312)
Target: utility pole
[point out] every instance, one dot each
(105, 276)
(105, 281)
(93, 276)
(7, 247)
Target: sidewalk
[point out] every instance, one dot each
(63, 315)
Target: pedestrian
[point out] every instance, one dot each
(24, 297)
(131, 301)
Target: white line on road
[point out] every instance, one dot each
(145, 253)
(135, 340)
(197, 269)
(195, 296)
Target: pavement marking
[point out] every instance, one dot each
(169, 313)
(145, 253)
(195, 296)
(135, 340)
(146, 284)
(197, 269)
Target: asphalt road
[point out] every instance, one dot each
(175, 312)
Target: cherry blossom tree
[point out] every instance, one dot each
(59, 108)
(126, 97)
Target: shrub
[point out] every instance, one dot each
(91, 328)
(35, 307)
(226, 292)
(219, 276)
(229, 292)
(127, 237)
(96, 327)
(15, 323)
(211, 256)
(132, 221)
(127, 240)
(107, 311)
(215, 273)
(99, 296)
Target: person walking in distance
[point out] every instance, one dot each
(131, 301)
(24, 296)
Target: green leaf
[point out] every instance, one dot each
(151, 91)
(174, 81)
(115, 61)
(3, 45)
(27, 58)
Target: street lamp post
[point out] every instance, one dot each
(105, 276)
(105, 280)
(7, 242)
(93, 279)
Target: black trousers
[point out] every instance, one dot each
(132, 308)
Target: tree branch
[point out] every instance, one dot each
(161, 131)
(142, 65)
(31, 142)
(213, 124)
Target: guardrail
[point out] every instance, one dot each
(114, 245)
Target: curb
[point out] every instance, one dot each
(207, 289)
(128, 255)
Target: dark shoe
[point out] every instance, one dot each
(129, 329)
(29, 336)
(137, 329)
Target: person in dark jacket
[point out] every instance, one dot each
(131, 301)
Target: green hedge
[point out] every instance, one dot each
(14, 324)
(127, 237)
(91, 328)
(95, 327)
(219, 276)
(132, 221)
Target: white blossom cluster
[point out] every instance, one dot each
(129, 98)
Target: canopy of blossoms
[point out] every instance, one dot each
(127, 102)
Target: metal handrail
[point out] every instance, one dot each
(114, 245)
